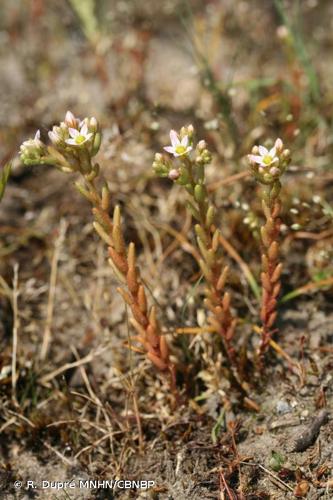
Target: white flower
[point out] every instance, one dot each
(32, 150)
(265, 158)
(79, 137)
(32, 144)
(178, 147)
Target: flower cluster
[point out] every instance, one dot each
(73, 144)
(33, 151)
(268, 165)
(184, 153)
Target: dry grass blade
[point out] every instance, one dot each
(45, 379)
(15, 295)
(52, 289)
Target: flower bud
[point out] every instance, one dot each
(70, 120)
(282, 32)
(275, 171)
(286, 154)
(93, 124)
(190, 130)
(278, 145)
(206, 156)
(174, 174)
(33, 150)
(96, 144)
(55, 137)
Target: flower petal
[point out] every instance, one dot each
(169, 149)
(84, 129)
(184, 141)
(37, 135)
(174, 138)
(255, 158)
(73, 132)
(272, 152)
(263, 151)
(72, 142)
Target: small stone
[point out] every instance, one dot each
(282, 407)
(305, 414)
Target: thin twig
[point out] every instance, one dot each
(7, 424)
(269, 473)
(242, 264)
(100, 440)
(133, 389)
(213, 186)
(68, 366)
(60, 455)
(52, 289)
(85, 377)
(15, 329)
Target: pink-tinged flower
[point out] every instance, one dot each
(79, 137)
(265, 158)
(179, 147)
(174, 174)
(71, 121)
(278, 145)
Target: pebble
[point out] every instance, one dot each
(282, 407)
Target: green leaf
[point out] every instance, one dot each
(4, 175)
(276, 461)
(220, 423)
(85, 9)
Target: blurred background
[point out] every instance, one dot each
(129, 61)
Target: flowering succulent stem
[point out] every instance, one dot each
(190, 173)
(268, 167)
(74, 144)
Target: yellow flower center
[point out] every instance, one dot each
(267, 159)
(180, 149)
(79, 139)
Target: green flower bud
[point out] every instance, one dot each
(32, 151)
(96, 143)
